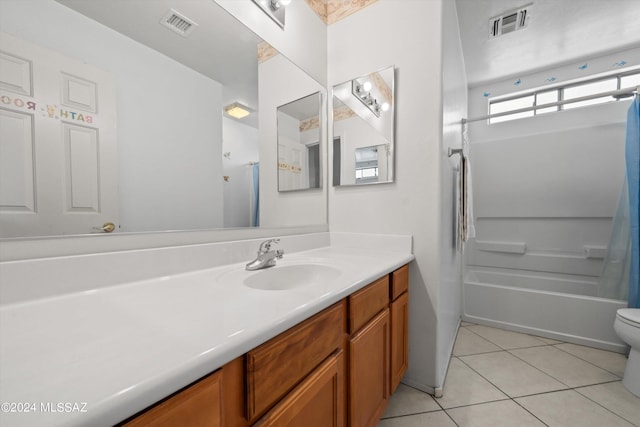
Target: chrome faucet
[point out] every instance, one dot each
(266, 257)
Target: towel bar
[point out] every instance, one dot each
(453, 151)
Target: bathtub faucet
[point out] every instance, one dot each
(266, 257)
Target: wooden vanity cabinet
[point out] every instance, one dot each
(334, 369)
(399, 326)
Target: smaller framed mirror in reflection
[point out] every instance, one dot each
(363, 129)
(299, 144)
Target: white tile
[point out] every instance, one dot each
(511, 375)
(465, 387)
(607, 360)
(564, 367)
(616, 398)
(469, 343)
(431, 419)
(407, 400)
(569, 408)
(505, 413)
(506, 339)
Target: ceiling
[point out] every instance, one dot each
(303, 108)
(559, 32)
(219, 47)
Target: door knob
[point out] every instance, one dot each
(107, 227)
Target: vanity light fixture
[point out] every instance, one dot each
(362, 91)
(237, 111)
(275, 9)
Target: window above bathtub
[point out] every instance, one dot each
(552, 99)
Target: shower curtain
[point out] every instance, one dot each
(632, 152)
(614, 282)
(255, 195)
(620, 276)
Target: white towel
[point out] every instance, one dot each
(466, 223)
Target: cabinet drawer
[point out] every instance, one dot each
(275, 367)
(399, 281)
(368, 302)
(198, 405)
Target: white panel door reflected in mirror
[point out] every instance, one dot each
(170, 156)
(299, 144)
(363, 129)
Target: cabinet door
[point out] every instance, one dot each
(277, 366)
(318, 401)
(199, 405)
(369, 372)
(399, 339)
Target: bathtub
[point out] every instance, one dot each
(545, 305)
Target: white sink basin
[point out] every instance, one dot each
(281, 278)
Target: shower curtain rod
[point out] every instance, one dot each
(614, 93)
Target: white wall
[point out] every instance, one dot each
(454, 107)
(158, 160)
(284, 209)
(241, 142)
(303, 39)
(410, 205)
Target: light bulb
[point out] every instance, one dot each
(385, 106)
(366, 86)
(285, 2)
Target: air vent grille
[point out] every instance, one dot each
(178, 23)
(510, 21)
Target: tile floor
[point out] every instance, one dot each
(501, 378)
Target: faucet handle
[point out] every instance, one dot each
(279, 253)
(266, 245)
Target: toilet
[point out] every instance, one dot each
(627, 326)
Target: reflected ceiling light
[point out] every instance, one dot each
(274, 8)
(237, 111)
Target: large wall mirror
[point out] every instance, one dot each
(139, 113)
(299, 144)
(363, 129)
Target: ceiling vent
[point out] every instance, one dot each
(178, 23)
(510, 21)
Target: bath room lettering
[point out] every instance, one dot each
(50, 111)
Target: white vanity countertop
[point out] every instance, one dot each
(97, 357)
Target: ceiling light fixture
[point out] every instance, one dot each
(275, 9)
(362, 91)
(237, 111)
